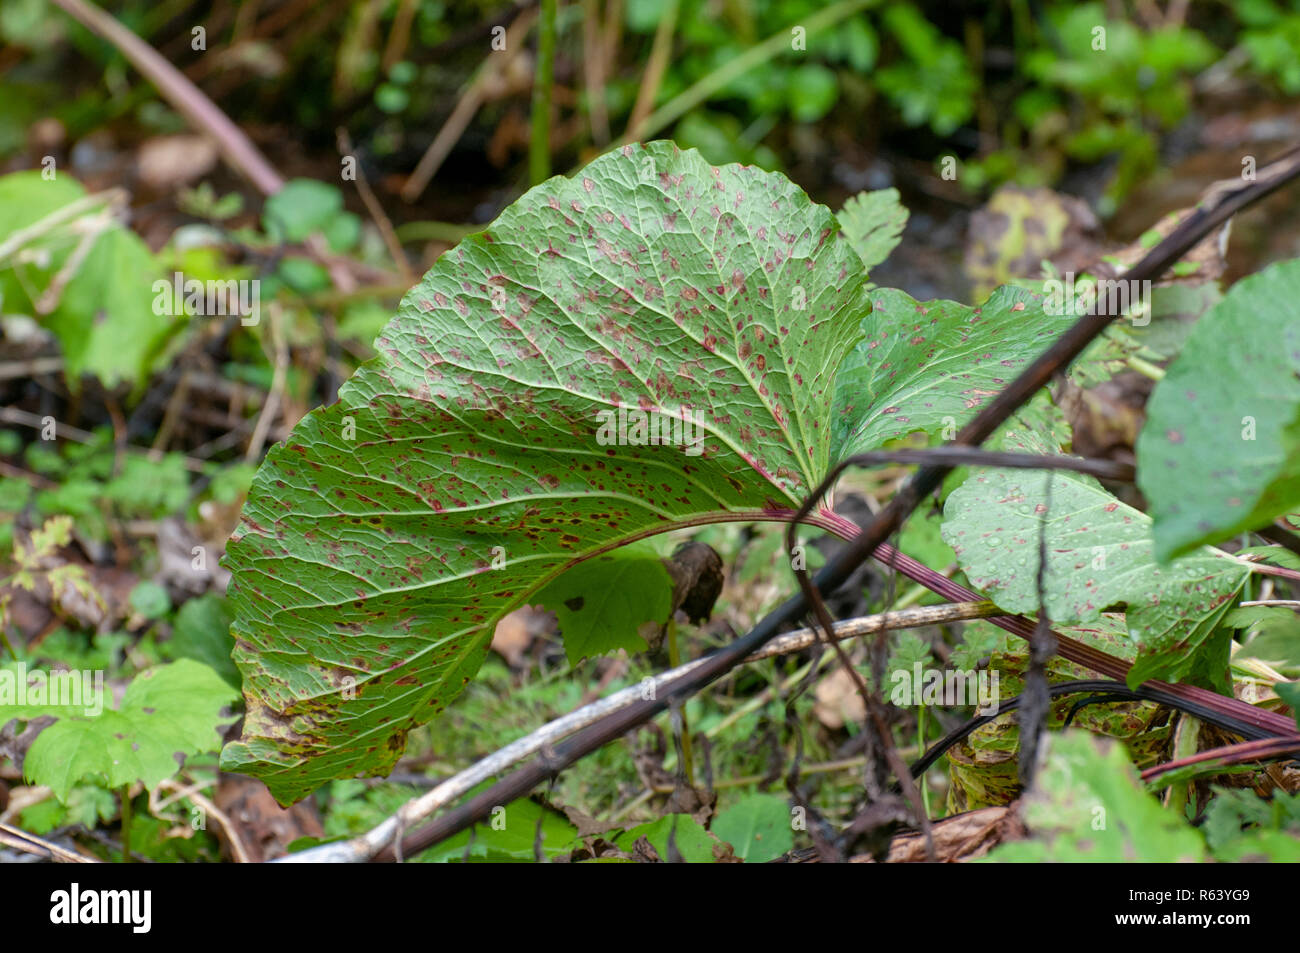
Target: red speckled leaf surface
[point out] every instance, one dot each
(461, 468)
(1099, 554)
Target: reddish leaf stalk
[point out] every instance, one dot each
(1067, 648)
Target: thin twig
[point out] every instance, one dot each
(33, 367)
(399, 35)
(1036, 698)
(466, 107)
(376, 210)
(190, 101)
(593, 73)
(89, 229)
(14, 415)
(194, 793)
(660, 51)
(1281, 536)
(875, 710)
(114, 198)
(280, 360)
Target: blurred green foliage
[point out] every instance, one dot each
(1016, 90)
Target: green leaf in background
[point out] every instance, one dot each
(168, 710)
(813, 90)
(1175, 309)
(202, 633)
(104, 317)
(692, 841)
(150, 599)
(1272, 635)
(1220, 450)
(643, 16)
(977, 644)
(854, 41)
(909, 649)
(764, 553)
(922, 539)
(302, 275)
(1100, 554)
(366, 581)
(342, 232)
(720, 137)
(1240, 826)
(757, 827)
(1265, 846)
(602, 603)
(150, 488)
(1289, 692)
(1089, 805)
(64, 647)
(930, 366)
(873, 222)
(28, 23)
(509, 836)
(87, 804)
(934, 84)
(303, 206)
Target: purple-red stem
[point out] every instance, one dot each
(1068, 648)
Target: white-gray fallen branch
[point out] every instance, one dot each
(31, 844)
(364, 847)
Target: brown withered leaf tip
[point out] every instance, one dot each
(696, 570)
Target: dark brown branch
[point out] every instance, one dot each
(958, 456)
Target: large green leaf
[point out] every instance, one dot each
(1099, 554)
(1220, 451)
(930, 366)
(365, 581)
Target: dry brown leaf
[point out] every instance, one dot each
(962, 837)
(838, 702)
(168, 161)
(265, 828)
(512, 637)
